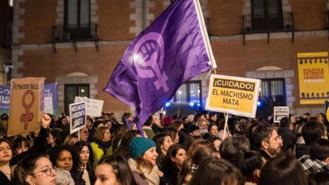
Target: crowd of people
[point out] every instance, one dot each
(169, 150)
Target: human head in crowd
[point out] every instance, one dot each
(71, 139)
(252, 166)
(102, 134)
(213, 129)
(5, 152)
(292, 118)
(321, 118)
(20, 145)
(173, 133)
(55, 137)
(284, 170)
(233, 148)
(89, 123)
(312, 131)
(4, 122)
(321, 178)
(65, 157)
(203, 125)
(144, 150)
(63, 177)
(84, 153)
(84, 134)
(199, 117)
(163, 142)
(213, 117)
(286, 123)
(196, 153)
(216, 141)
(34, 170)
(306, 117)
(113, 171)
(194, 131)
(214, 171)
(177, 125)
(267, 140)
(320, 150)
(176, 155)
(122, 148)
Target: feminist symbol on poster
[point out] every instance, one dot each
(27, 116)
(148, 55)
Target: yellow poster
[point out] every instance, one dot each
(26, 101)
(313, 75)
(233, 95)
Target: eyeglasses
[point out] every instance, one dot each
(47, 171)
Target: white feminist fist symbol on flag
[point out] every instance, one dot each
(148, 59)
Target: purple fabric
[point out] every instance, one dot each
(160, 59)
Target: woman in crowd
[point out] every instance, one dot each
(284, 170)
(65, 157)
(123, 145)
(163, 142)
(54, 137)
(172, 164)
(213, 130)
(34, 170)
(5, 157)
(20, 145)
(201, 151)
(143, 161)
(214, 171)
(84, 171)
(71, 139)
(101, 144)
(113, 171)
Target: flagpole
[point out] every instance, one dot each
(225, 126)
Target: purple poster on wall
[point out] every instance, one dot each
(4, 97)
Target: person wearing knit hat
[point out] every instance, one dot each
(143, 161)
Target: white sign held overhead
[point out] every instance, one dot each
(94, 107)
(279, 113)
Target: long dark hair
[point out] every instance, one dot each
(120, 168)
(284, 169)
(214, 171)
(24, 168)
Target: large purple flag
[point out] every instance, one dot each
(172, 50)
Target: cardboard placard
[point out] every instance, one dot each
(233, 95)
(50, 98)
(280, 112)
(94, 107)
(77, 116)
(26, 105)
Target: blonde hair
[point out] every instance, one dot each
(99, 133)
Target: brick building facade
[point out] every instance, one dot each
(77, 43)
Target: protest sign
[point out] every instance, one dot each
(280, 112)
(50, 98)
(93, 107)
(77, 116)
(26, 105)
(327, 110)
(233, 95)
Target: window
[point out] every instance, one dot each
(266, 15)
(188, 99)
(77, 19)
(272, 94)
(189, 93)
(73, 90)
